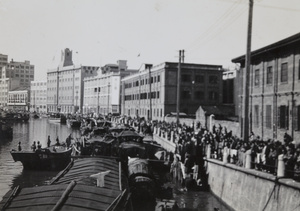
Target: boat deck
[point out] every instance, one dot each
(75, 189)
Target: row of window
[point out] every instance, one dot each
(20, 66)
(37, 98)
(63, 80)
(62, 88)
(23, 71)
(199, 79)
(60, 98)
(24, 76)
(199, 95)
(40, 106)
(90, 68)
(283, 113)
(269, 74)
(142, 96)
(145, 112)
(185, 78)
(154, 79)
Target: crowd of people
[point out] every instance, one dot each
(195, 142)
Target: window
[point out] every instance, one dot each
(284, 73)
(199, 95)
(283, 117)
(199, 79)
(299, 70)
(269, 75)
(158, 78)
(297, 117)
(256, 116)
(213, 79)
(256, 77)
(186, 78)
(268, 116)
(186, 94)
(213, 96)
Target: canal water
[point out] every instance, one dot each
(12, 173)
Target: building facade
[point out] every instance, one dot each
(65, 85)
(152, 93)
(274, 89)
(24, 71)
(18, 99)
(6, 84)
(102, 93)
(38, 96)
(230, 89)
(3, 62)
(13, 75)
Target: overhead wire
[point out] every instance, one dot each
(215, 24)
(218, 30)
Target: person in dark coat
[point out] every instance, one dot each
(49, 141)
(19, 147)
(57, 142)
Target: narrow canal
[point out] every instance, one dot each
(12, 173)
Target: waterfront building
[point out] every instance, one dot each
(6, 84)
(18, 99)
(13, 75)
(38, 96)
(3, 62)
(274, 89)
(152, 92)
(102, 93)
(24, 71)
(65, 85)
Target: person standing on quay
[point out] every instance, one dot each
(49, 141)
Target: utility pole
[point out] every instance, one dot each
(149, 66)
(247, 76)
(178, 90)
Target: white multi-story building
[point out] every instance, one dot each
(3, 62)
(6, 84)
(38, 96)
(65, 85)
(102, 93)
(18, 99)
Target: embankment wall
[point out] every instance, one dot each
(246, 189)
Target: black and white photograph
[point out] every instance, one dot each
(149, 105)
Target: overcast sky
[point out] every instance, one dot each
(104, 31)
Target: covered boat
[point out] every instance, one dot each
(55, 118)
(97, 145)
(77, 189)
(52, 158)
(73, 123)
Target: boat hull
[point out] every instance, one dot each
(43, 159)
